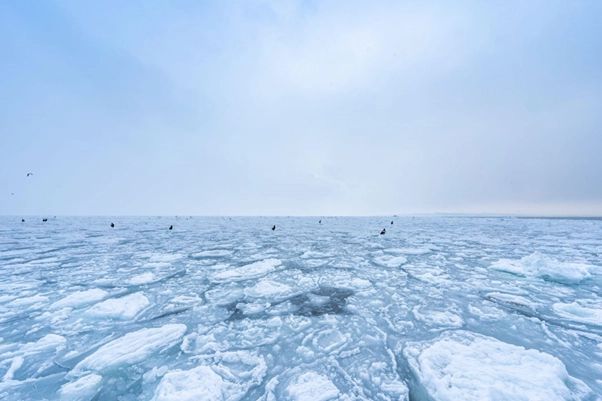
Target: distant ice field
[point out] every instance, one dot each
(225, 309)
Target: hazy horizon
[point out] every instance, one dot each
(301, 108)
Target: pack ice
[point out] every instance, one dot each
(225, 309)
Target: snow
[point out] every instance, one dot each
(81, 298)
(545, 267)
(126, 307)
(468, 366)
(225, 308)
(132, 348)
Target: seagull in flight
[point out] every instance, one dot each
(28, 174)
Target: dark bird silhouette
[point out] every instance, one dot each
(12, 193)
(391, 222)
(22, 220)
(44, 220)
(320, 222)
(28, 174)
(112, 225)
(171, 227)
(274, 227)
(383, 232)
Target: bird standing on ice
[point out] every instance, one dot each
(274, 227)
(383, 232)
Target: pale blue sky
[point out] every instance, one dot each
(303, 108)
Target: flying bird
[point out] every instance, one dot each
(28, 174)
(22, 220)
(383, 232)
(44, 220)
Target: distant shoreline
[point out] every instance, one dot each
(453, 215)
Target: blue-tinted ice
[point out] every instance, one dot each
(438, 308)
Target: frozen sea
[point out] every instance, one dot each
(438, 308)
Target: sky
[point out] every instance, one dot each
(300, 107)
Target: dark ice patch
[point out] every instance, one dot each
(325, 300)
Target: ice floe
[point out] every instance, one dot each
(227, 309)
(132, 348)
(312, 386)
(543, 266)
(82, 389)
(581, 312)
(466, 366)
(126, 307)
(246, 272)
(81, 298)
(267, 288)
(229, 377)
(143, 278)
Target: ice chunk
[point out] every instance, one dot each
(471, 367)
(543, 266)
(267, 288)
(126, 307)
(49, 341)
(81, 298)
(438, 318)
(27, 301)
(213, 253)
(217, 382)
(15, 364)
(390, 261)
(82, 389)
(590, 314)
(132, 348)
(251, 308)
(246, 272)
(198, 384)
(409, 250)
(511, 299)
(143, 278)
(312, 386)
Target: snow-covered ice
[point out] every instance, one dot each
(132, 347)
(80, 298)
(126, 307)
(437, 309)
(537, 264)
(467, 366)
(82, 389)
(312, 386)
